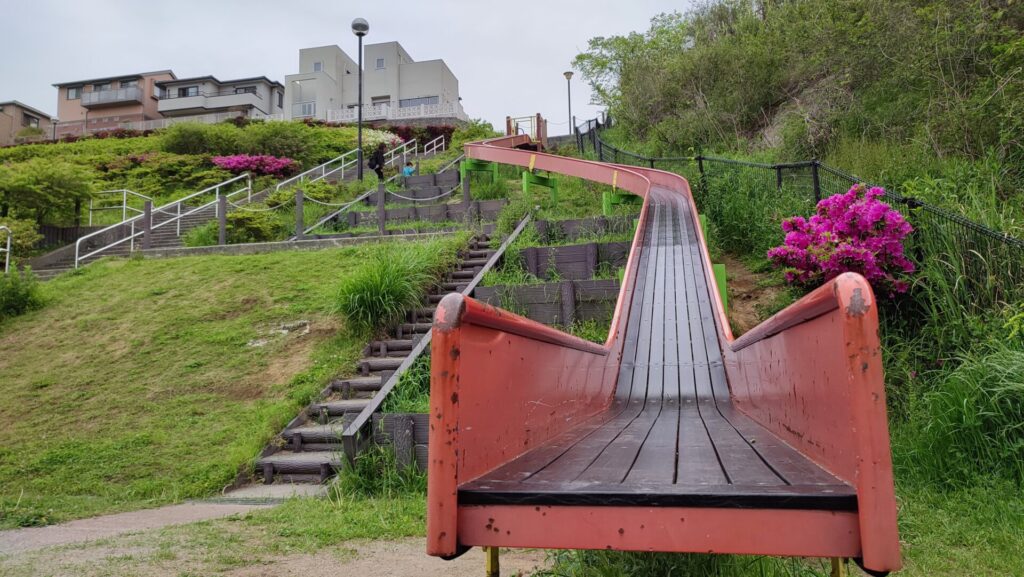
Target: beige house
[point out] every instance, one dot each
(16, 117)
(395, 87)
(257, 96)
(106, 103)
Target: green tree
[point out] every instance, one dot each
(45, 189)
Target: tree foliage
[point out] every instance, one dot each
(42, 187)
(798, 74)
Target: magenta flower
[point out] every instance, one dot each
(849, 232)
(257, 164)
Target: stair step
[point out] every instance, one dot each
(324, 463)
(371, 364)
(484, 254)
(463, 274)
(434, 299)
(413, 328)
(329, 433)
(473, 262)
(454, 286)
(390, 347)
(338, 408)
(358, 383)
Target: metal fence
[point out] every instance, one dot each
(969, 265)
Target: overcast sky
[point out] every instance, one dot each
(508, 55)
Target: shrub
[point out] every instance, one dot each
(24, 237)
(195, 138)
(851, 232)
(510, 216)
(318, 190)
(283, 139)
(45, 187)
(257, 164)
(19, 293)
(246, 226)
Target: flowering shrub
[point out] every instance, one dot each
(256, 164)
(850, 232)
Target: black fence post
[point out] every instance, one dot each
(778, 177)
(222, 220)
(600, 150)
(703, 187)
(816, 181)
(147, 224)
(381, 194)
(300, 225)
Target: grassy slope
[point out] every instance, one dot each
(135, 386)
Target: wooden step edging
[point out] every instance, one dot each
(359, 432)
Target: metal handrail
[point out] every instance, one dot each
(403, 149)
(166, 209)
(452, 163)
(434, 145)
(7, 251)
(322, 169)
(124, 192)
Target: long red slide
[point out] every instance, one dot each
(672, 436)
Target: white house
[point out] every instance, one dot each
(254, 97)
(395, 87)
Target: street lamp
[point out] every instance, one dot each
(360, 28)
(568, 87)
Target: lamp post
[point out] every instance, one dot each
(568, 88)
(360, 28)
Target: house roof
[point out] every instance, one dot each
(27, 107)
(219, 81)
(118, 77)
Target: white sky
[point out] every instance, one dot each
(508, 55)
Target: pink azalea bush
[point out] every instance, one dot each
(260, 164)
(850, 232)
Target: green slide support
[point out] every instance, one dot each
(610, 198)
(472, 165)
(546, 181)
(720, 281)
(719, 269)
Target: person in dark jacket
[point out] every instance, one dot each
(376, 162)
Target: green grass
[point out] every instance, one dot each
(136, 385)
(412, 391)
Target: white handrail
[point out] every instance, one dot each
(322, 169)
(124, 192)
(434, 145)
(403, 149)
(178, 215)
(7, 251)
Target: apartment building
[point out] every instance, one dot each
(258, 96)
(15, 117)
(107, 103)
(395, 87)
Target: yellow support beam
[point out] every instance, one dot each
(493, 570)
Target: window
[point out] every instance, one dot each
(409, 102)
(129, 83)
(186, 91)
(101, 87)
(159, 92)
(29, 121)
(380, 64)
(318, 67)
(245, 90)
(74, 92)
(280, 99)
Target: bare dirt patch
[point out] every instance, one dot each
(406, 557)
(750, 298)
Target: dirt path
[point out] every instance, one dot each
(95, 528)
(749, 298)
(393, 558)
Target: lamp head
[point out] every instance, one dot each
(568, 74)
(360, 27)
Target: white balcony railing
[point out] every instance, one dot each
(96, 98)
(390, 112)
